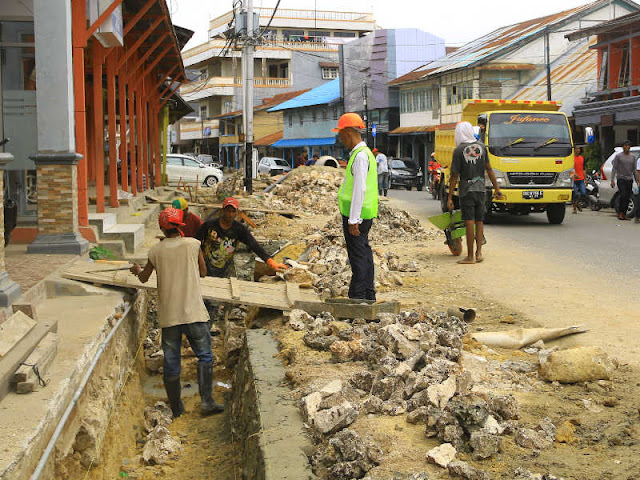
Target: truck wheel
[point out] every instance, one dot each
(488, 212)
(555, 213)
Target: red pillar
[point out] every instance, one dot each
(133, 115)
(111, 112)
(145, 130)
(79, 14)
(122, 96)
(139, 139)
(98, 124)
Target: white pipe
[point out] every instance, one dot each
(76, 396)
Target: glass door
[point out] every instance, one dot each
(18, 112)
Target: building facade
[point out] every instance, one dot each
(298, 50)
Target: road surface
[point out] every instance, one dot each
(585, 271)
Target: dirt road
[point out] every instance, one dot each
(547, 283)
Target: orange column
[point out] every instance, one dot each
(133, 114)
(79, 13)
(111, 112)
(98, 124)
(145, 129)
(124, 163)
(156, 146)
(139, 139)
(91, 146)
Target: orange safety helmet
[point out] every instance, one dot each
(349, 120)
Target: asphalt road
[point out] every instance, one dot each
(596, 240)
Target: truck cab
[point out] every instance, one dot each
(530, 148)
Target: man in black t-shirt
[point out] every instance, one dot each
(470, 161)
(219, 240)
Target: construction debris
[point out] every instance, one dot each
(522, 337)
(582, 364)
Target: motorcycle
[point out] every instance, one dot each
(593, 186)
(434, 184)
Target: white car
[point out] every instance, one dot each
(608, 196)
(191, 170)
(273, 166)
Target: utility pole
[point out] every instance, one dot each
(548, 63)
(366, 112)
(247, 54)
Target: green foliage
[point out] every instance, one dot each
(99, 253)
(592, 159)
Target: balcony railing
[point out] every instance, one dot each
(200, 85)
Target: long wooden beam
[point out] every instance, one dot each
(101, 19)
(138, 42)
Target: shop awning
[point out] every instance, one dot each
(419, 130)
(268, 140)
(304, 142)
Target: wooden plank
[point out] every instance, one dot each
(13, 330)
(25, 377)
(292, 291)
(239, 292)
(235, 288)
(10, 363)
(27, 308)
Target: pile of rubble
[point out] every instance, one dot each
(307, 190)
(414, 366)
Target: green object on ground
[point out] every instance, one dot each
(100, 253)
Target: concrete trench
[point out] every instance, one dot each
(260, 434)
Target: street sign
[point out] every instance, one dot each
(374, 130)
(207, 131)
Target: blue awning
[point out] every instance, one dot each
(304, 142)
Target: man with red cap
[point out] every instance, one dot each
(220, 238)
(179, 264)
(358, 204)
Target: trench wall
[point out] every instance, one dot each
(265, 420)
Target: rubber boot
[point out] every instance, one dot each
(172, 386)
(205, 385)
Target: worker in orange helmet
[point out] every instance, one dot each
(179, 264)
(358, 204)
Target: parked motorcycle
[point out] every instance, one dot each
(593, 186)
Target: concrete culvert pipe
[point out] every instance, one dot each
(465, 314)
(327, 161)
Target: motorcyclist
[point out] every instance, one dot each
(434, 165)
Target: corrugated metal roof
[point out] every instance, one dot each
(268, 140)
(321, 95)
(266, 103)
(484, 48)
(629, 22)
(572, 75)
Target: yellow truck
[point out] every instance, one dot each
(530, 148)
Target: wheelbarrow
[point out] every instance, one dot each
(454, 229)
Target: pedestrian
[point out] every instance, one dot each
(625, 169)
(579, 184)
(358, 205)
(470, 162)
(311, 161)
(220, 238)
(192, 222)
(383, 172)
(179, 265)
(301, 159)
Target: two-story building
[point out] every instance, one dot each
(368, 63)
(298, 50)
(308, 120)
(508, 63)
(614, 108)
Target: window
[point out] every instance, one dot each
(603, 78)
(190, 163)
(457, 93)
(329, 73)
(335, 113)
(292, 35)
(273, 71)
(623, 76)
(345, 34)
(325, 116)
(301, 118)
(174, 161)
(314, 116)
(227, 107)
(203, 111)
(290, 120)
(203, 74)
(420, 100)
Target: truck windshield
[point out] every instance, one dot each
(529, 134)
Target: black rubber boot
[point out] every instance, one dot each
(172, 386)
(205, 385)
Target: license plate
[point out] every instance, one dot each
(532, 194)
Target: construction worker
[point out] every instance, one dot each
(179, 265)
(220, 238)
(191, 221)
(358, 204)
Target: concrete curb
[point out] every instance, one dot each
(264, 419)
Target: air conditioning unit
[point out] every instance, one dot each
(109, 34)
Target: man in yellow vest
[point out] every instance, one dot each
(358, 204)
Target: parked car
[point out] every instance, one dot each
(191, 170)
(405, 173)
(273, 166)
(608, 196)
(209, 160)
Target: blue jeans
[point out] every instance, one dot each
(199, 339)
(579, 189)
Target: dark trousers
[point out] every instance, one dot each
(624, 188)
(361, 260)
(199, 339)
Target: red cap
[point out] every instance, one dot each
(375, 150)
(171, 218)
(231, 201)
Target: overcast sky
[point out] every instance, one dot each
(457, 21)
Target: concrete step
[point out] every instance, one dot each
(131, 233)
(102, 221)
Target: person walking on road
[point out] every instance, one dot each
(383, 172)
(470, 162)
(179, 265)
(358, 205)
(579, 184)
(192, 222)
(626, 171)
